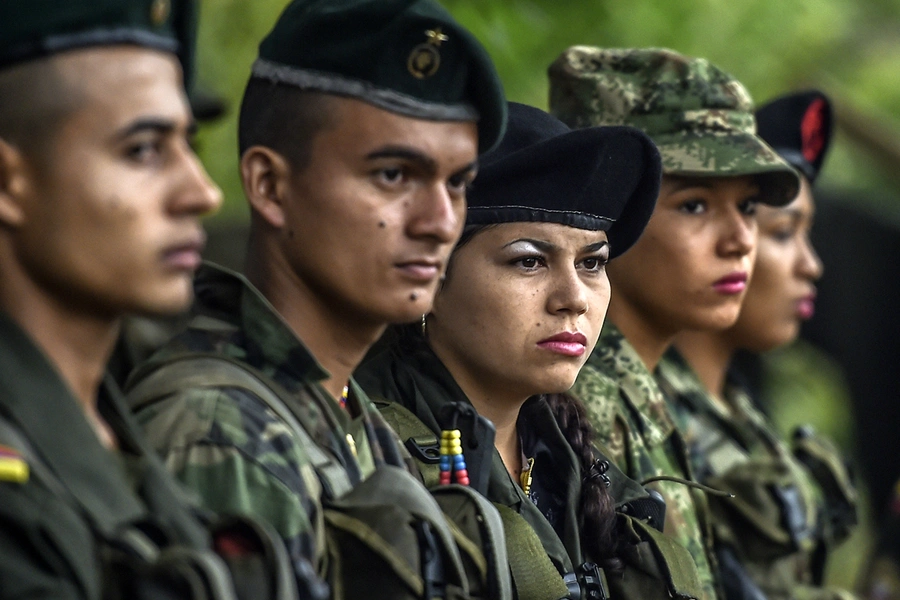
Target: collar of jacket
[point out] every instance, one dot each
(616, 357)
(36, 400)
(227, 304)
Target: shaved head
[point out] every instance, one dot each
(35, 97)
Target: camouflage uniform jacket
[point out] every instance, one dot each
(629, 413)
(51, 526)
(230, 448)
(772, 523)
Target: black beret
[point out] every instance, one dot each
(32, 29)
(799, 127)
(597, 178)
(406, 56)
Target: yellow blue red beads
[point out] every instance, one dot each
(452, 459)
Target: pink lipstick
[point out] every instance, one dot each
(733, 283)
(565, 343)
(806, 307)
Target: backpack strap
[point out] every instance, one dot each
(533, 573)
(194, 370)
(673, 562)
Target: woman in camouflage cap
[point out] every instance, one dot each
(690, 268)
(790, 505)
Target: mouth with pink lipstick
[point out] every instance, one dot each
(565, 343)
(731, 284)
(806, 307)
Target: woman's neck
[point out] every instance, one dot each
(500, 406)
(649, 341)
(709, 354)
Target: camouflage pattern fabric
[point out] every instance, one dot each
(233, 451)
(700, 117)
(633, 423)
(773, 524)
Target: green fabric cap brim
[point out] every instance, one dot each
(703, 154)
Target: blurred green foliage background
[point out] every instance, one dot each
(848, 48)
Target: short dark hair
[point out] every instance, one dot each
(282, 117)
(35, 98)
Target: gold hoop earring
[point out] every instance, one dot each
(423, 324)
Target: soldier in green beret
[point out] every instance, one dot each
(792, 505)
(100, 199)
(359, 133)
(690, 267)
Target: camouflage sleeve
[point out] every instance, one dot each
(600, 396)
(238, 457)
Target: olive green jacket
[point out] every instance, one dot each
(411, 375)
(51, 527)
(773, 523)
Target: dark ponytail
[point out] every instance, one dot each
(597, 517)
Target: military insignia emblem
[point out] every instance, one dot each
(424, 60)
(12, 466)
(159, 11)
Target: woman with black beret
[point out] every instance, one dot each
(520, 310)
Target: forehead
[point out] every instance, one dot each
(561, 237)
(365, 123)
(113, 85)
(742, 184)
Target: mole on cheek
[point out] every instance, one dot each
(382, 224)
(413, 297)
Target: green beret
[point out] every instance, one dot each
(700, 117)
(32, 29)
(409, 57)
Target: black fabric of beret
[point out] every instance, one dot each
(598, 178)
(407, 56)
(31, 29)
(799, 127)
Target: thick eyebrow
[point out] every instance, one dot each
(424, 161)
(548, 247)
(163, 126)
(685, 184)
(539, 244)
(595, 246)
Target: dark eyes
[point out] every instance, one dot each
(693, 207)
(591, 263)
(144, 152)
(748, 207)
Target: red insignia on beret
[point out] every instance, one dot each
(811, 130)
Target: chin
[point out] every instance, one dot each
(172, 301)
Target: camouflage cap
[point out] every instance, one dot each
(409, 57)
(31, 29)
(700, 117)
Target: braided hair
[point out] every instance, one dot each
(597, 517)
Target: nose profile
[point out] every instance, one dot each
(739, 234)
(198, 194)
(569, 293)
(436, 214)
(809, 264)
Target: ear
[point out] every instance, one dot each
(13, 185)
(265, 174)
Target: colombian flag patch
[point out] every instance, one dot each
(12, 465)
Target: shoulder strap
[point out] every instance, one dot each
(533, 573)
(673, 560)
(216, 371)
(417, 437)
